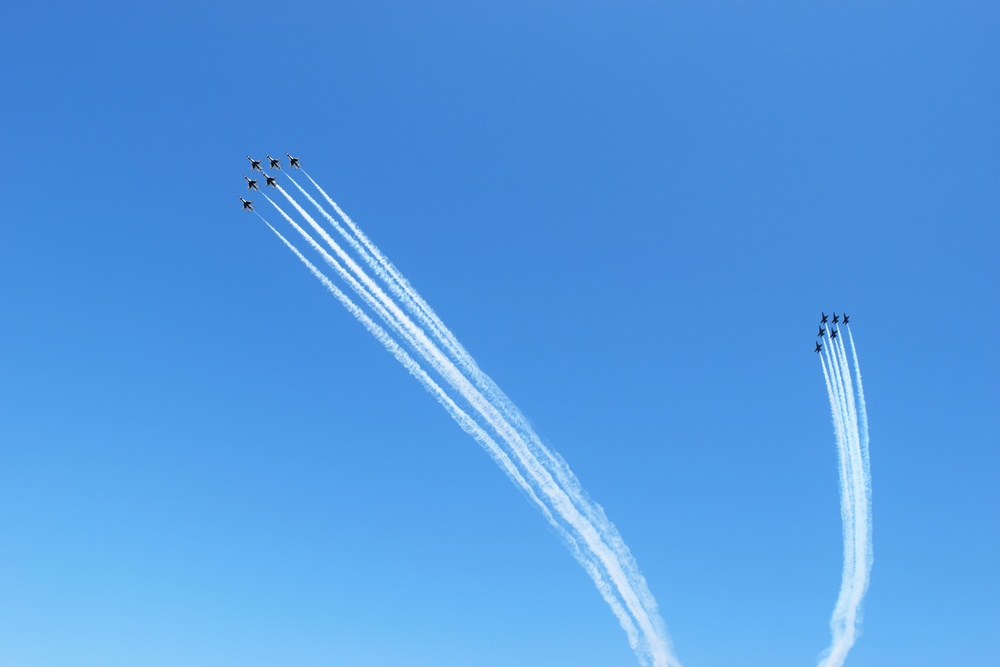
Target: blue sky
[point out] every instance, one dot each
(631, 214)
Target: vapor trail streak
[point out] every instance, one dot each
(863, 423)
(386, 272)
(841, 611)
(469, 426)
(846, 504)
(553, 463)
(862, 523)
(837, 404)
(609, 558)
(396, 276)
(851, 430)
(467, 423)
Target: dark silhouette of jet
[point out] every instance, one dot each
(255, 164)
(823, 321)
(251, 184)
(293, 161)
(819, 346)
(835, 318)
(275, 162)
(822, 332)
(833, 334)
(270, 181)
(247, 205)
(845, 318)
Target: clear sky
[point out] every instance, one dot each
(631, 213)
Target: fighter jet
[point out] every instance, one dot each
(270, 181)
(822, 332)
(819, 346)
(293, 161)
(833, 334)
(835, 318)
(823, 321)
(251, 184)
(255, 164)
(845, 318)
(247, 205)
(275, 162)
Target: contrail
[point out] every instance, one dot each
(467, 423)
(552, 462)
(472, 428)
(851, 430)
(840, 632)
(367, 296)
(863, 421)
(846, 506)
(395, 276)
(608, 559)
(387, 273)
(862, 500)
(545, 478)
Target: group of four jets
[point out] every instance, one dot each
(269, 181)
(833, 332)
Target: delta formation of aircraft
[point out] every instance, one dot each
(829, 330)
(269, 181)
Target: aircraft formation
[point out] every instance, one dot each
(269, 181)
(829, 331)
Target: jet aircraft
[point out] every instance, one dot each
(833, 334)
(835, 318)
(251, 184)
(247, 205)
(823, 321)
(822, 332)
(275, 162)
(845, 318)
(255, 164)
(819, 346)
(270, 181)
(293, 161)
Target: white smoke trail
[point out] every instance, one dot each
(841, 610)
(851, 430)
(556, 482)
(862, 523)
(846, 505)
(467, 424)
(865, 459)
(395, 276)
(619, 568)
(386, 272)
(552, 462)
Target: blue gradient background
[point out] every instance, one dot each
(630, 213)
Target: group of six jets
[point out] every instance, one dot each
(833, 332)
(269, 181)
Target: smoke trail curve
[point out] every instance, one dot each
(567, 480)
(851, 430)
(606, 552)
